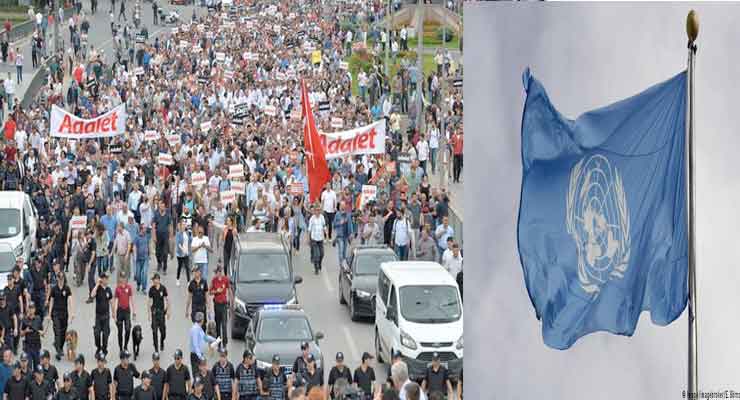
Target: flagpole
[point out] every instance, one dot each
(692, 31)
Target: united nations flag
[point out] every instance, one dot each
(602, 220)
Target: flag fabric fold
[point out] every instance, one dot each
(602, 228)
(317, 168)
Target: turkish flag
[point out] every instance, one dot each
(316, 166)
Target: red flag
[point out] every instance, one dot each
(316, 166)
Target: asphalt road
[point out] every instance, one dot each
(317, 294)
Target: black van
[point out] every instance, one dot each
(262, 274)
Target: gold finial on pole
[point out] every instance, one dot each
(692, 26)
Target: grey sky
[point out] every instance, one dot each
(588, 55)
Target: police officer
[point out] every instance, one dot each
(249, 382)
(337, 372)
(123, 377)
(101, 379)
(301, 362)
(103, 296)
(224, 374)
(15, 296)
(31, 328)
(60, 304)
(8, 320)
(177, 379)
(437, 378)
(311, 377)
(145, 391)
(26, 368)
(364, 376)
(38, 388)
(159, 309)
(51, 375)
(275, 383)
(67, 391)
(206, 376)
(81, 379)
(17, 385)
(157, 375)
(197, 296)
(39, 278)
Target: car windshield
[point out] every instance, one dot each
(7, 260)
(368, 264)
(263, 267)
(430, 304)
(285, 329)
(10, 220)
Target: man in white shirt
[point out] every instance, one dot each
(317, 231)
(404, 39)
(402, 236)
(362, 84)
(18, 67)
(9, 91)
(400, 377)
(443, 231)
(200, 247)
(452, 260)
(329, 205)
(422, 151)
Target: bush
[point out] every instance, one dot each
(445, 35)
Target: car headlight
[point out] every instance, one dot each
(263, 365)
(363, 294)
(460, 345)
(407, 341)
(240, 306)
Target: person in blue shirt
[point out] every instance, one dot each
(198, 339)
(6, 369)
(343, 229)
(141, 242)
(109, 222)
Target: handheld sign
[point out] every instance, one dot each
(205, 126)
(296, 189)
(150, 135)
(369, 192)
(228, 196)
(139, 71)
(238, 187)
(78, 222)
(236, 171)
(344, 65)
(270, 110)
(337, 123)
(198, 178)
(173, 139)
(165, 159)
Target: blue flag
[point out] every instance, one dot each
(602, 219)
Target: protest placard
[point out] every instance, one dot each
(238, 187)
(78, 222)
(205, 126)
(236, 171)
(228, 197)
(151, 135)
(296, 189)
(270, 110)
(198, 178)
(369, 192)
(337, 123)
(165, 159)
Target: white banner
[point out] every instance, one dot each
(236, 171)
(151, 136)
(66, 125)
(238, 187)
(198, 178)
(368, 193)
(368, 139)
(166, 159)
(79, 222)
(337, 123)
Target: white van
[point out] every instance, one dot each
(18, 222)
(419, 312)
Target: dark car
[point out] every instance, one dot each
(358, 279)
(281, 329)
(262, 274)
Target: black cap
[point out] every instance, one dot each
(125, 354)
(80, 359)
(367, 356)
(202, 360)
(178, 353)
(247, 353)
(24, 356)
(100, 356)
(435, 356)
(275, 358)
(39, 369)
(198, 381)
(145, 375)
(155, 276)
(67, 376)
(45, 354)
(340, 356)
(155, 356)
(304, 345)
(17, 365)
(396, 354)
(222, 350)
(311, 358)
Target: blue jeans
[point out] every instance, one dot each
(363, 92)
(19, 73)
(140, 275)
(203, 269)
(402, 252)
(433, 159)
(341, 249)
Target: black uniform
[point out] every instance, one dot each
(308, 380)
(198, 290)
(144, 394)
(124, 378)
(364, 380)
(101, 330)
(335, 374)
(246, 384)
(16, 389)
(32, 338)
(7, 321)
(209, 383)
(101, 383)
(276, 384)
(158, 316)
(38, 391)
(437, 380)
(82, 381)
(51, 376)
(158, 377)
(63, 394)
(176, 378)
(60, 315)
(224, 376)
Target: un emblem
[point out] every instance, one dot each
(598, 221)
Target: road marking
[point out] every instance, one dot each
(327, 281)
(351, 342)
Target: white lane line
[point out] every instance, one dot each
(352, 344)
(327, 282)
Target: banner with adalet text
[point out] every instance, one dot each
(369, 139)
(66, 125)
